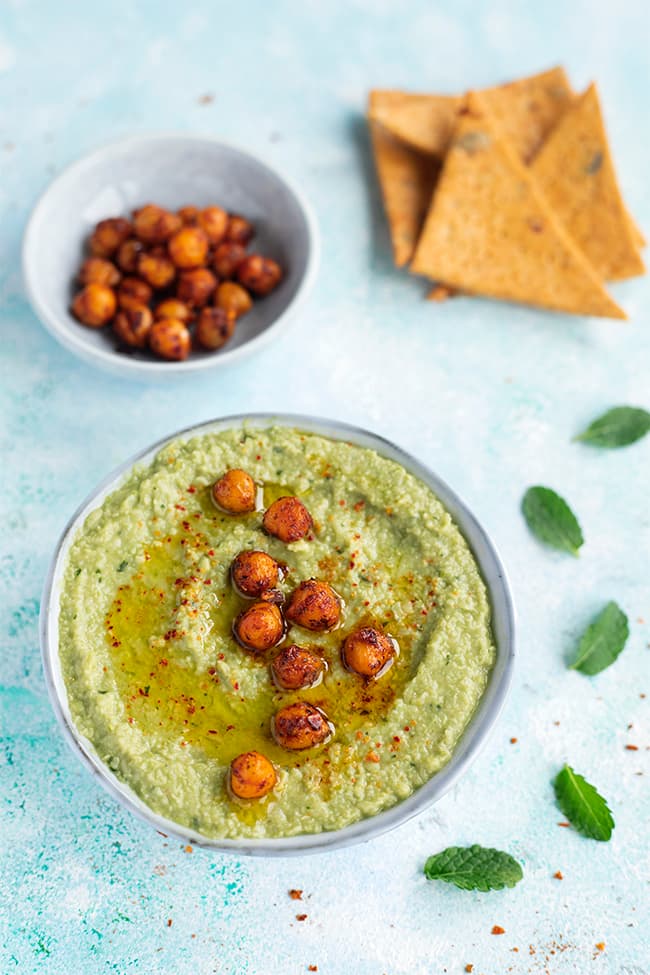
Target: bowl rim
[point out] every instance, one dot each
(473, 738)
(108, 358)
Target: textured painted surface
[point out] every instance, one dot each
(488, 395)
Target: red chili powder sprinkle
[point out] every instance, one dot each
(564, 824)
(513, 741)
(295, 894)
(301, 917)
(497, 929)
(632, 748)
(600, 945)
(558, 875)
(188, 849)
(169, 922)
(312, 968)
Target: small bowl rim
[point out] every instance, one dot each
(108, 358)
(474, 736)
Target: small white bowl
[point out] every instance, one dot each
(476, 733)
(171, 170)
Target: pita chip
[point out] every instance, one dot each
(575, 171)
(406, 179)
(525, 110)
(489, 230)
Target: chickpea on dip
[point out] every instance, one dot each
(265, 632)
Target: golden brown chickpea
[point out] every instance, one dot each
(196, 287)
(128, 253)
(154, 225)
(300, 726)
(254, 573)
(314, 605)
(132, 326)
(239, 230)
(287, 519)
(213, 221)
(108, 235)
(189, 215)
(132, 293)
(94, 305)
(170, 339)
(367, 651)
(156, 269)
(233, 298)
(259, 274)
(189, 247)
(259, 627)
(99, 271)
(251, 776)
(173, 308)
(295, 668)
(235, 492)
(227, 258)
(214, 328)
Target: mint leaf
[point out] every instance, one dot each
(474, 868)
(619, 427)
(585, 809)
(602, 641)
(551, 520)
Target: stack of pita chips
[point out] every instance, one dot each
(508, 192)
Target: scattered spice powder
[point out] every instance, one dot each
(497, 929)
(632, 748)
(513, 741)
(564, 824)
(301, 917)
(188, 849)
(169, 922)
(295, 894)
(469, 968)
(312, 968)
(558, 875)
(600, 945)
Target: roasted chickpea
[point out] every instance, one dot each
(94, 305)
(189, 215)
(213, 221)
(233, 298)
(189, 247)
(368, 651)
(287, 519)
(108, 235)
(214, 328)
(156, 269)
(227, 258)
(314, 605)
(173, 308)
(99, 271)
(235, 492)
(170, 339)
(254, 573)
(154, 224)
(295, 668)
(196, 287)
(132, 326)
(300, 726)
(259, 627)
(132, 293)
(251, 776)
(259, 274)
(239, 230)
(128, 253)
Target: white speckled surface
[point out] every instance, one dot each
(489, 396)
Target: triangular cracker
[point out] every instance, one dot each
(525, 110)
(490, 231)
(575, 171)
(406, 179)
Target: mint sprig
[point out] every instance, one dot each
(582, 805)
(551, 520)
(474, 868)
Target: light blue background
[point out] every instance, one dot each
(488, 395)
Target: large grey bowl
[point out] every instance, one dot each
(469, 746)
(172, 170)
